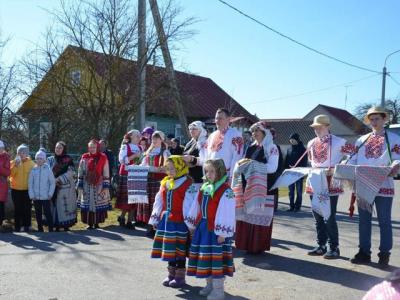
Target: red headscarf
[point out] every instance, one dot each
(95, 164)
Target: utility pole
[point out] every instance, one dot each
(169, 66)
(345, 97)
(140, 119)
(384, 73)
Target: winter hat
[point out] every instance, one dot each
(148, 130)
(23, 148)
(40, 154)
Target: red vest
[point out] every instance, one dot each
(212, 206)
(122, 170)
(178, 196)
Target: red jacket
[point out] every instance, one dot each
(4, 173)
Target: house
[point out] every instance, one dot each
(201, 96)
(343, 124)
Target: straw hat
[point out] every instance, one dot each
(321, 120)
(375, 110)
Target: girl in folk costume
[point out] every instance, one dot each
(172, 205)
(226, 142)
(129, 154)
(154, 158)
(324, 152)
(253, 232)
(195, 152)
(380, 148)
(93, 186)
(64, 198)
(212, 218)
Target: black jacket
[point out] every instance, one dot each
(293, 154)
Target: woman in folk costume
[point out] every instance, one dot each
(64, 197)
(324, 152)
(254, 231)
(93, 186)
(225, 143)
(129, 154)
(380, 148)
(154, 158)
(195, 152)
(212, 218)
(172, 205)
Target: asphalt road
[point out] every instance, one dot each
(114, 263)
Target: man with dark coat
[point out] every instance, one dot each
(294, 153)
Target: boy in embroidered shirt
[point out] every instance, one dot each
(212, 218)
(378, 148)
(325, 151)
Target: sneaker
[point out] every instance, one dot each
(383, 259)
(361, 258)
(297, 209)
(332, 253)
(317, 251)
(290, 209)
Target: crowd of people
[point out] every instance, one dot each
(201, 195)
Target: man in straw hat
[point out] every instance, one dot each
(324, 152)
(378, 148)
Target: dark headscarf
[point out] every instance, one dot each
(62, 162)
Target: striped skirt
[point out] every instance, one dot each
(207, 258)
(144, 210)
(170, 240)
(122, 194)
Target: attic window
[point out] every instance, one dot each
(76, 77)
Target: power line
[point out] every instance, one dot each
(394, 79)
(297, 42)
(314, 91)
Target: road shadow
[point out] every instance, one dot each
(121, 230)
(192, 293)
(64, 238)
(103, 232)
(313, 270)
(278, 243)
(26, 242)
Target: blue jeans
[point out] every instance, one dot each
(328, 231)
(298, 188)
(384, 213)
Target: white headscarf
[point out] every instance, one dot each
(268, 140)
(202, 140)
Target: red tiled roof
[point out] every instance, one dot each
(347, 119)
(200, 95)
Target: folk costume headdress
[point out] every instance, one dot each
(95, 164)
(181, 169)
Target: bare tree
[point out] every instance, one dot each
(12, 126)
(101, 99)
(391, 105)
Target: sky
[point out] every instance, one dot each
(265, 73)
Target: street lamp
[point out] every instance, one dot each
(384, 73)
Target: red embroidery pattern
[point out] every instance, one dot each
(320, 149)
(332, 191)
(396, 149)
(349, 149)
(386, 191)
(374, 146)
(218, 140)
(238, 143)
